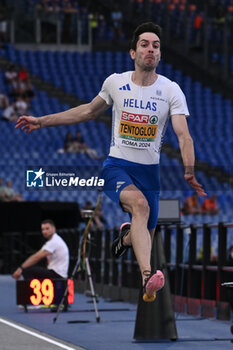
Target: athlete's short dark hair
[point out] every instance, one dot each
(149, 27)
(48, 221)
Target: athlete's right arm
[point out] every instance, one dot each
(75, 115)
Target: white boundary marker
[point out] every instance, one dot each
(36, 335)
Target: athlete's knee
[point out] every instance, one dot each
(141, 207)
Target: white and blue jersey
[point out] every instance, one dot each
(140, 115)
(139, 121)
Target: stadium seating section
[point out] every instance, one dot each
(211, 125)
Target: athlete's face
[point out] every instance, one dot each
(47, 230)
(147, 54)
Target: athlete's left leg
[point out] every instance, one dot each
(127, 238)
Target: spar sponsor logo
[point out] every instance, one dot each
(135, 118)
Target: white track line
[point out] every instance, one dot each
(34, 334)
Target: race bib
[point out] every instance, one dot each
(137, 130)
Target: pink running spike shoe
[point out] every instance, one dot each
(153, 283)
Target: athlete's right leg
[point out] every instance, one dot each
(120, 188)
(152, 281)
(134, 202)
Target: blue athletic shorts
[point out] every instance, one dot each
(119, 173)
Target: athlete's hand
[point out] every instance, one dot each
(190, 178)
(28, 123)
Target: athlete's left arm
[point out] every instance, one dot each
(180, 127)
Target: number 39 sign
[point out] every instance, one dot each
(44, 292)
